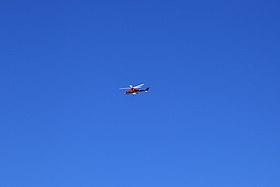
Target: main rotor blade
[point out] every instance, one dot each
(124, 88)
(138, 86)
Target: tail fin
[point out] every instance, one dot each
(146, 90)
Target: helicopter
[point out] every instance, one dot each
(134, 89)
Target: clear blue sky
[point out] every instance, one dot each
(211, 119)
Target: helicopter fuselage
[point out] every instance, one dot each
(135, 91)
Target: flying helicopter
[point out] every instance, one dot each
(134, 89)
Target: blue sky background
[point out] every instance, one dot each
(212, 116)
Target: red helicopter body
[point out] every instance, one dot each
(135, 89)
